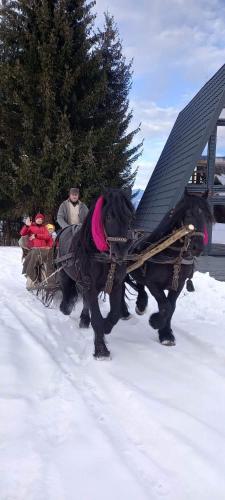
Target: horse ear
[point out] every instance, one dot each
(205, 194)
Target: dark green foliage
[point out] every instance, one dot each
(64, 105)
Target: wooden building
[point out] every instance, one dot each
(181, 163)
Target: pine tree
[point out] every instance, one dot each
(51, 75)
(64, 105)
(114, 152)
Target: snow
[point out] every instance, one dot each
(221, 178)
(218, 233)
(147, 425)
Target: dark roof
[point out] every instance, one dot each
(184, 146)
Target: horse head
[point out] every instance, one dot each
(195, 210)
(111, 221)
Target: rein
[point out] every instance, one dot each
(183, 234)
(186, 232)
(160, 245)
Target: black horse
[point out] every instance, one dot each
(91, 270)
(170, 269)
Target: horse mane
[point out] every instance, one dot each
(118, 204)
(84, 236)
(173, 217)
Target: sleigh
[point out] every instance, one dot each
(42, 276)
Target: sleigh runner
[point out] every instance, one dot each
(42, 276)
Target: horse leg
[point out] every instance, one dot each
(97, 324)
(69, 292)
(158, 320)
(142, 300)
(166, 336)
(115, 309)
(85, 315)
(125, 314)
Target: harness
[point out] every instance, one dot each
(131, 235)
(183, 258)
(180, 261)
(184, 235)
(65, 261)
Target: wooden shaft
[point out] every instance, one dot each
(147, 254)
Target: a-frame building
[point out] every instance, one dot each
(195, 127)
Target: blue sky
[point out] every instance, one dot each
(177, 45)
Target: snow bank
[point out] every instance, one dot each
(149, 424)
(218, 233)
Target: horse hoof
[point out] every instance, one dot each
(84, 323)
(102, 358)
(139, 312)
(168, 342)
(101, 353)
(65, 309)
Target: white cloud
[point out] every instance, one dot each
(156, 121)
(163, 35)
(156, 124)
(177, 45)
(145, 169)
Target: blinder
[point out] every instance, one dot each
(131, 235)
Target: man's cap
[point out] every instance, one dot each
(74, 191)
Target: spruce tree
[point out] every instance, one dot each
(114, 152)
(64, 109)
(47, 56)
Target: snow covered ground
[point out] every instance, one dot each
(221, 178)
(218, 233)
(147, 425)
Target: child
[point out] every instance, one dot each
(51, 230)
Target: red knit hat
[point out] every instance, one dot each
(39, 216)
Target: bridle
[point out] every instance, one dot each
(131, 236)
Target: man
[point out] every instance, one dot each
(72, 210)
